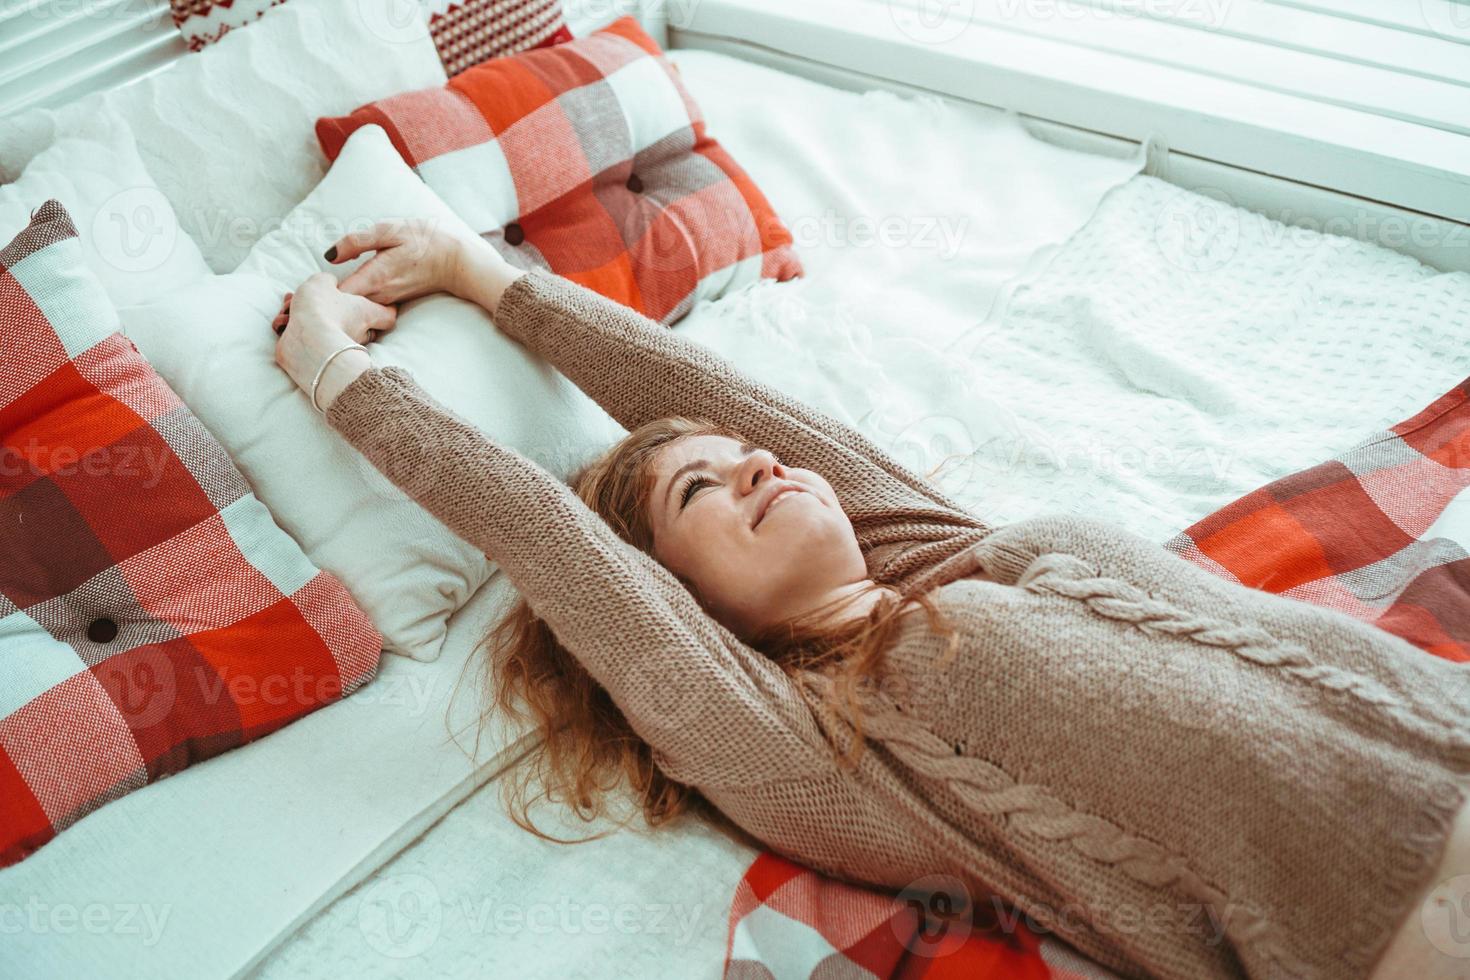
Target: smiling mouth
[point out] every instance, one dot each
(786, 492)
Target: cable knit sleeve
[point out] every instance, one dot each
(639, 371)
(717, 712)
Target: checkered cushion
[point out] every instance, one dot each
(151, 612)
(465, 32)
(1379, 533)
(589, 159)
(790, 921)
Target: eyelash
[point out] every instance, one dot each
(690, 486)
(688, 490)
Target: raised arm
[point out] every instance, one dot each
(638, 370)
(685, 683)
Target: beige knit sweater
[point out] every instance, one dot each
(1182, 777)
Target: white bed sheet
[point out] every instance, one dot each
(230, 857)
(1173, 354)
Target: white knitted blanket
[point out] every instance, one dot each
(1174, 354)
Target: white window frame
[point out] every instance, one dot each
(1350, 116)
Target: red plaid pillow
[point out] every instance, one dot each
(1372, 533)
(589, 159)
(465, 33)
(151, 612)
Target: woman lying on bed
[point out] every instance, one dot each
(748, 604)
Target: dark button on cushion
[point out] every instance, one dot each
(514, 234)
(102, 630)
(635, 183)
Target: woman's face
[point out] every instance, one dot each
(755, 540)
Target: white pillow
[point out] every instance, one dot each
(214, 345)
(228, 133)
(130, 236)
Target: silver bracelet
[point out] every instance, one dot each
(316, 381)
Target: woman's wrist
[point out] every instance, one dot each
(345, 368)
(480, 275)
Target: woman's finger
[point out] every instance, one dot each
(382, 235)
(364, 279)
(375, 280)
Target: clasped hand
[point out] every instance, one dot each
(322, 316)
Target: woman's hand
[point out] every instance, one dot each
(416, 257)
(317, 320)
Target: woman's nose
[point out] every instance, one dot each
(758, 467)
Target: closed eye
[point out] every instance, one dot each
(690, 487)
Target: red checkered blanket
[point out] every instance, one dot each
(1379, 533)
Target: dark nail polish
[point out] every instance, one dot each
(331, 254)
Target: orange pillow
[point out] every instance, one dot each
(589, 159)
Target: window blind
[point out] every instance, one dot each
(52, 51)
